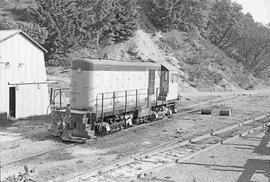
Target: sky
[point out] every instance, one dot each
(259, 9)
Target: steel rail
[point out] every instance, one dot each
(213, 103)
(99, 171)
(37, 155)
(160, 148)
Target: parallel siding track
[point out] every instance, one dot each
(139, 165)
(168, 154)
(188, 109)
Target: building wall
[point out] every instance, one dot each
(26, 66)
(3, 88)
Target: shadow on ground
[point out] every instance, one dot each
(255, 166)
(252, 166)
(34, 128)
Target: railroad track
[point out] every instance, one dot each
(185, 110)
(139, 165)
(191, 109)
(182, 111)
(37, 155)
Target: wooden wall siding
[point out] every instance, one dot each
(26, 66)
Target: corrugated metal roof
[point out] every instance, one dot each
(6, 34)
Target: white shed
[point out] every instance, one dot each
(23, 81)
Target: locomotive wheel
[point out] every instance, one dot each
(146, 119)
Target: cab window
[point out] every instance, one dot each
(165, 75)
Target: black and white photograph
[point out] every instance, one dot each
(134, 90)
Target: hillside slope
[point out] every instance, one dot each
(202, 66)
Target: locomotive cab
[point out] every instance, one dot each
(168, 83)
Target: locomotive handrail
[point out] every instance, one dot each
(127, 94)
(117, 96)
(122, 91)
(51, 102)
(124, 103)
(121, 96)
(54, 93)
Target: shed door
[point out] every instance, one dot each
(12, 102)
(164, 82)
(151, 83)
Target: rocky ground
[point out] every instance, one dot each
(24, 138)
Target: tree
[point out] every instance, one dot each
(125, 19)
(225, 25)
(108, 20)
(178, 14)
(33, 30)
(73, 24)
(60, 18)
(254, 46)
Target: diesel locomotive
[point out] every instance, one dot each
(114, 94)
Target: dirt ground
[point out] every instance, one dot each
(24, 138)
(242, 160)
